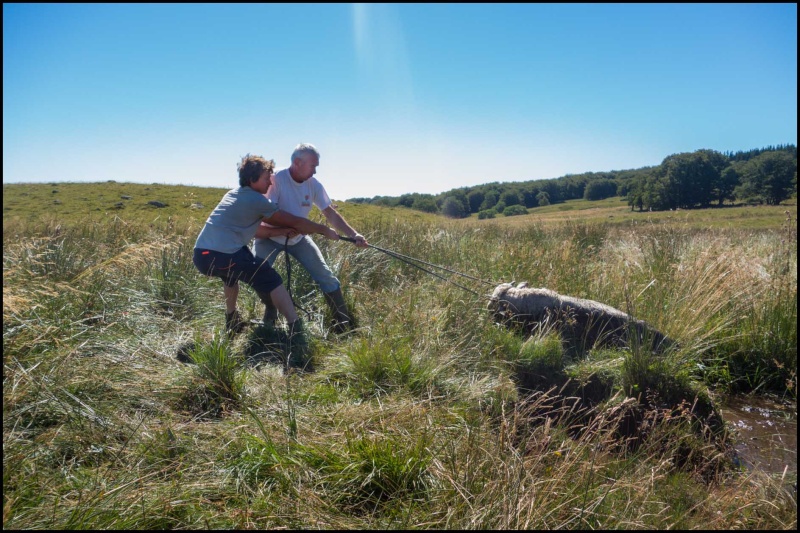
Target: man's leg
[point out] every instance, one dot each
(267, 249)
(307, 254)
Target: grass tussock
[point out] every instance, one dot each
(428, 416)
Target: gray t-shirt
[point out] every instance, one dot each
(234, 221)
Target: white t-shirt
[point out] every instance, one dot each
(296, 198)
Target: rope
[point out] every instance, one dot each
(407, 259)
(404, 258)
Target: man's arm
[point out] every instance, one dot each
(337, 221)
(303, 225)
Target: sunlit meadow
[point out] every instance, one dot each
(425, 417)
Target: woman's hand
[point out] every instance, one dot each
(331, 234)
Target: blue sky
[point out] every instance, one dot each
(398, 98)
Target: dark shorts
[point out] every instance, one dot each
(240, 266)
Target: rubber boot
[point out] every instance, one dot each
(234, 323)
(298, 346)
(343, 321)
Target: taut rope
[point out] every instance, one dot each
(408, 260)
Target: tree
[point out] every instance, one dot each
(600, 189)
(461, 196)
(425, 203)
(489, 200)
(573, 187)
(529, 196)
(635, 200)
(453, 207)
(407, 200)
(768, 177)
(510, 198)
(691, 178)
(728, 181)
(543, 198)
(655, 193)
(553, 190)
(714, 164)
(635, 192)
(475, 199)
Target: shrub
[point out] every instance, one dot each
(219, 378)
(514, 210)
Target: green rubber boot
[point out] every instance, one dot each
(343, 320)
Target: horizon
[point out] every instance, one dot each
(53, 182)
(398, 98)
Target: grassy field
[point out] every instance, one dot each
(430, 415)
(615, 211)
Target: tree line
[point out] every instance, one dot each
(688, 180)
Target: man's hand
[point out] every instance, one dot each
(361, 242)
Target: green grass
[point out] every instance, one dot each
(420, 419)
(615, 211)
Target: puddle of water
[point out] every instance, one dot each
(766, 431)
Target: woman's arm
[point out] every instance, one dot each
(302, 225)
(266, 232)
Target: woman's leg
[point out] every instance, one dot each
(231, 295)
(282, 300)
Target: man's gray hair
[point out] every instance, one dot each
(303, 149)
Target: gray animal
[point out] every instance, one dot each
(582, 324)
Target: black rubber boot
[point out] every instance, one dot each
(343, 320)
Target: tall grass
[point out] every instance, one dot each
(429, 416)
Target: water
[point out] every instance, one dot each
(767, 433)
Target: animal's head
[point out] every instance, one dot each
(522, 302)
(499, 304)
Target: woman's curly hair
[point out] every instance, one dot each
(251, 167)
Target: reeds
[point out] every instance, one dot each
(418, 420)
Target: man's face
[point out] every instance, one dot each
(305, 166)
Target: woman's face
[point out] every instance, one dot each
(263, 182)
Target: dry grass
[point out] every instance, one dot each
(414, 422)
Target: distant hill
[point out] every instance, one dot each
(640, 186)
